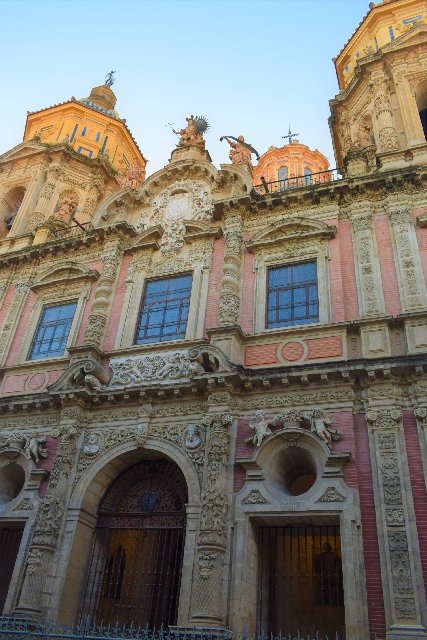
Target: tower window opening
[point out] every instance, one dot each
(104, 144)
(391, 32)
(376, 43)
(83, 132)
(98, 136)
(421, 98)
(73, 135)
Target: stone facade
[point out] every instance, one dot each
(235, 405)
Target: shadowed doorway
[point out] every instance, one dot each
(135, 569)
(301, 583)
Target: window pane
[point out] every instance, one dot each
(292, 295)
(164, 310)
(52, 331)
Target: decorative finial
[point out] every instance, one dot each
(109, 80)
(290, 135)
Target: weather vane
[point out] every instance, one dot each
(109, 80)
(290, 135)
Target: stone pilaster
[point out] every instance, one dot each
(399, 550)
(411, 280)
(408, 107)
(211, 560)
(46, 535)
(14, 313)
(100, 307)
(387, 134)
(368, 273)
(229, 306)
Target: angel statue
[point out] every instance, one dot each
(259, 425)
(34, 448)
(319, 423)
(241, 151)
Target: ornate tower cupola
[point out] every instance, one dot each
(291, 166)
(379, 117)
(91, 127)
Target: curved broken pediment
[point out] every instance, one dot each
(66, 271)
(293, 229)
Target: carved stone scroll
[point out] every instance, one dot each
(400, 555)
(99, 313)
(229, 306)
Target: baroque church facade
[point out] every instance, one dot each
(213, 390)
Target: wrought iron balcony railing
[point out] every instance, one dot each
(298, 182)
(68, 231)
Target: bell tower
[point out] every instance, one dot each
(379, 117)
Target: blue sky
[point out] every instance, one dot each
(252, 67)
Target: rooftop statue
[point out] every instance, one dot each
(241, 151)
(191, 135)
(109, 80)
(134, 176)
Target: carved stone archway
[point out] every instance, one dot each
(85, 501)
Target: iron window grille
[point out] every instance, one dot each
(292, 295)
(164, 309)
(52, 331)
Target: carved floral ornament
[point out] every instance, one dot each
(317, 420)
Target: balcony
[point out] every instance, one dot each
(298, 182)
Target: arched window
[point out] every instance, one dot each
(282, 174)
(9, 208)
(308, 176)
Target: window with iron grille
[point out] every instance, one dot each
(292, 295)
(164, 309)
(52, 331)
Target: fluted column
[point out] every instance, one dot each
(229, 305)
(399, 550)
(387, 134)
(208, 597)
(101, 304)
(49, 521)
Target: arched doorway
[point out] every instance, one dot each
(135, 567)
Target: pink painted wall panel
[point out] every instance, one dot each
(387, 265)
(248, 292)
(215, 278)
(116, 308)
(335, 277)
(20, 332)
(418, 485)
(371, 552)
(351, 305)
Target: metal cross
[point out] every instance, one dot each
(290, 135)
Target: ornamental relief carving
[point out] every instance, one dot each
(384, 422)
(184, 200)
(164, 368)
(189, 437)
(214, 505)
